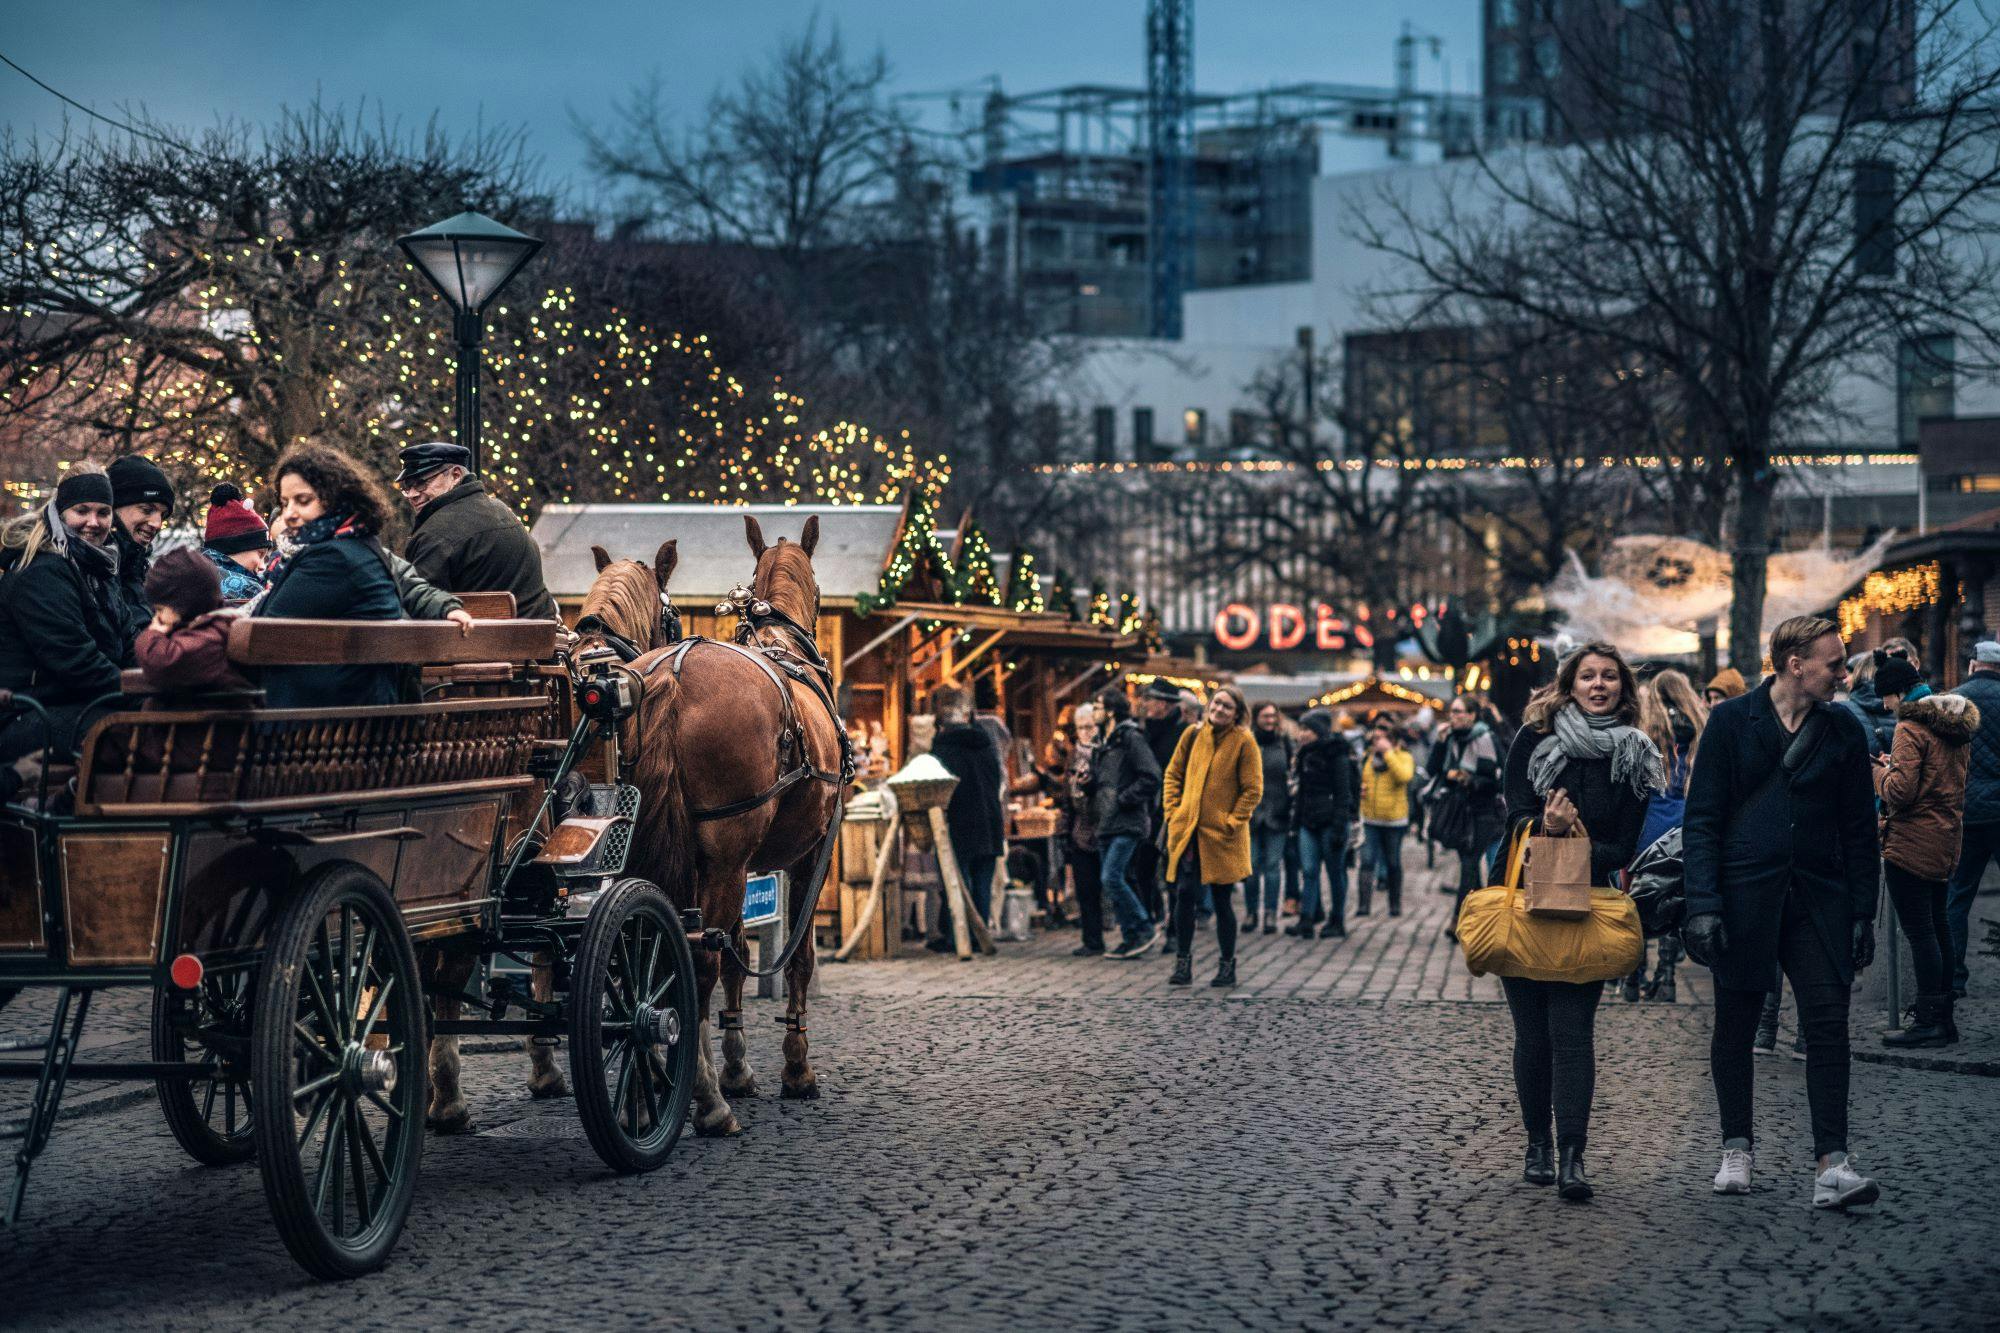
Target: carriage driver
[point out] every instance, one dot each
(464, 540)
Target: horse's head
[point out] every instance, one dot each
(627, 604)
(785, 575)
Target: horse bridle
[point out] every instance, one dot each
(755, 613)
(670, 631)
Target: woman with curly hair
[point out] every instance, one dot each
(331, 515)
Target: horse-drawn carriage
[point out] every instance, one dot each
(275, 876)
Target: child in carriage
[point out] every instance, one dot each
(184, 650)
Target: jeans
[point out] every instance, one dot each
(1323, 847)
(1188, 893)
(1555, 1055)
(1114, 858)
(1084, 871)
(1267, 867)
(1920, 909)
(1382, 844)
(1471, 875)
(1822, 1003)
(1144, 876)
(978, 873)
(1980, 845)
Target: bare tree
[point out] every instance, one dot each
(1757, 200)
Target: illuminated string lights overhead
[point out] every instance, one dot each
(1889, 593)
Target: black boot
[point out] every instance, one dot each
(1335, 929)
(1541, 1166)
(1183, 969)
(1766, 1041)
(1569, 1174)
(1928, 1029)
(1661, 987)
(1225, 973)
(1949, 1001)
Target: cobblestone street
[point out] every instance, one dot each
(1045, 1142)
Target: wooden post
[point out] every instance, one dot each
(873, 904)
(963, 918)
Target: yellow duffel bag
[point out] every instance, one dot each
(1499, 936)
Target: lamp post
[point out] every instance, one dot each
(469, 258)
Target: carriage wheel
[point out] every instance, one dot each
(209, 1117)
(338, 1073)
(632, 1022)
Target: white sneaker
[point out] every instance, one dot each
(1734, 1177)
(1840, 1185)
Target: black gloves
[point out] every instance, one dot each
(1864, 943)
(1704, 939)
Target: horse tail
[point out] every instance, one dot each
(664, 839)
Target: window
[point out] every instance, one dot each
(1142, 433)
(1506, 64)
(1548, 56)
(1194, 423)
(1506, 13)
(1104, 433)
(1875, 220)
(1924, 383)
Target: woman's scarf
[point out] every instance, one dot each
(289, 543)
(96, 562)
(1635, 761)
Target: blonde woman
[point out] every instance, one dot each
(1213, 784)
(1673, 717)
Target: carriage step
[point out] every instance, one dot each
(24, 1043)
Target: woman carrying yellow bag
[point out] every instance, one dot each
(1579, 767)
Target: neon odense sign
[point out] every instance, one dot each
(1282, 626)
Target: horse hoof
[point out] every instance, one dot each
(744, 1087)
(453, 1119)
(551, 1085)
(725, 1128)
(801, 1092)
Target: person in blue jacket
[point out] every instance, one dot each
(332, 512)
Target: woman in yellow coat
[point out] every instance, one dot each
(1212, 787)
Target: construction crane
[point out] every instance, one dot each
(1170, 149)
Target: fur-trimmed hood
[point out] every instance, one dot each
(1950, 717)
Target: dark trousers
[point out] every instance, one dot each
(1822, 1002)
(1145, 877)
(1188, 893)
(1920, 907)
(1979, 847)
(1471, 875)
(978, 872)
(1083, 869)
(1555, 1055)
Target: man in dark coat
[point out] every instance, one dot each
(1124, 790)
(1163, 726)
(464, 540)
(1981, 843)
(1779, 845)
(978, 830)
(142, 501)
(1327, 798)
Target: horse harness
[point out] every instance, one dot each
(779, 664)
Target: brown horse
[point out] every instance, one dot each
(713, 732)
(626, 599)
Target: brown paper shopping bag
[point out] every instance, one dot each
(1556, 879)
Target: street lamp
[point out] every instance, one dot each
(469, 258)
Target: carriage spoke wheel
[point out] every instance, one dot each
(208, 1117)
(633, 1027)
(338, 1073)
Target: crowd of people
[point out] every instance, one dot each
(84, 597)
(1794, 802)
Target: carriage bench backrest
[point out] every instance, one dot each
(271, 641)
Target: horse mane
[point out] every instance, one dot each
(625, 598)
(785, 578)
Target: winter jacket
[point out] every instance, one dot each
(128, 591)
(467, 541)
(1611, 812)
(1922, 790)
(1875, 719)
(974, 815)
(191, 658)
(344, 578)
(238, 584)
(62, 637)
(1076, 797)
(1274, 812)
(421, 599)
(1982, 780)
(1326, 789)
(1211, 789)
(1124, 784)
(1474, 753)
(1385, 787)
(1753, 834)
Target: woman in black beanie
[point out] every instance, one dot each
(142, 499)
(61, 638)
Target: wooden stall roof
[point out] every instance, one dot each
(854, 543)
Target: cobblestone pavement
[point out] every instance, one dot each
(995, 1150)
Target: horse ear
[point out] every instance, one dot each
(809, 535)
(602, 556)
(664, 562)
(755, 533)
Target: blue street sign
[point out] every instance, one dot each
(760, 900)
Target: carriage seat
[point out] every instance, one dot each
(275, 642)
